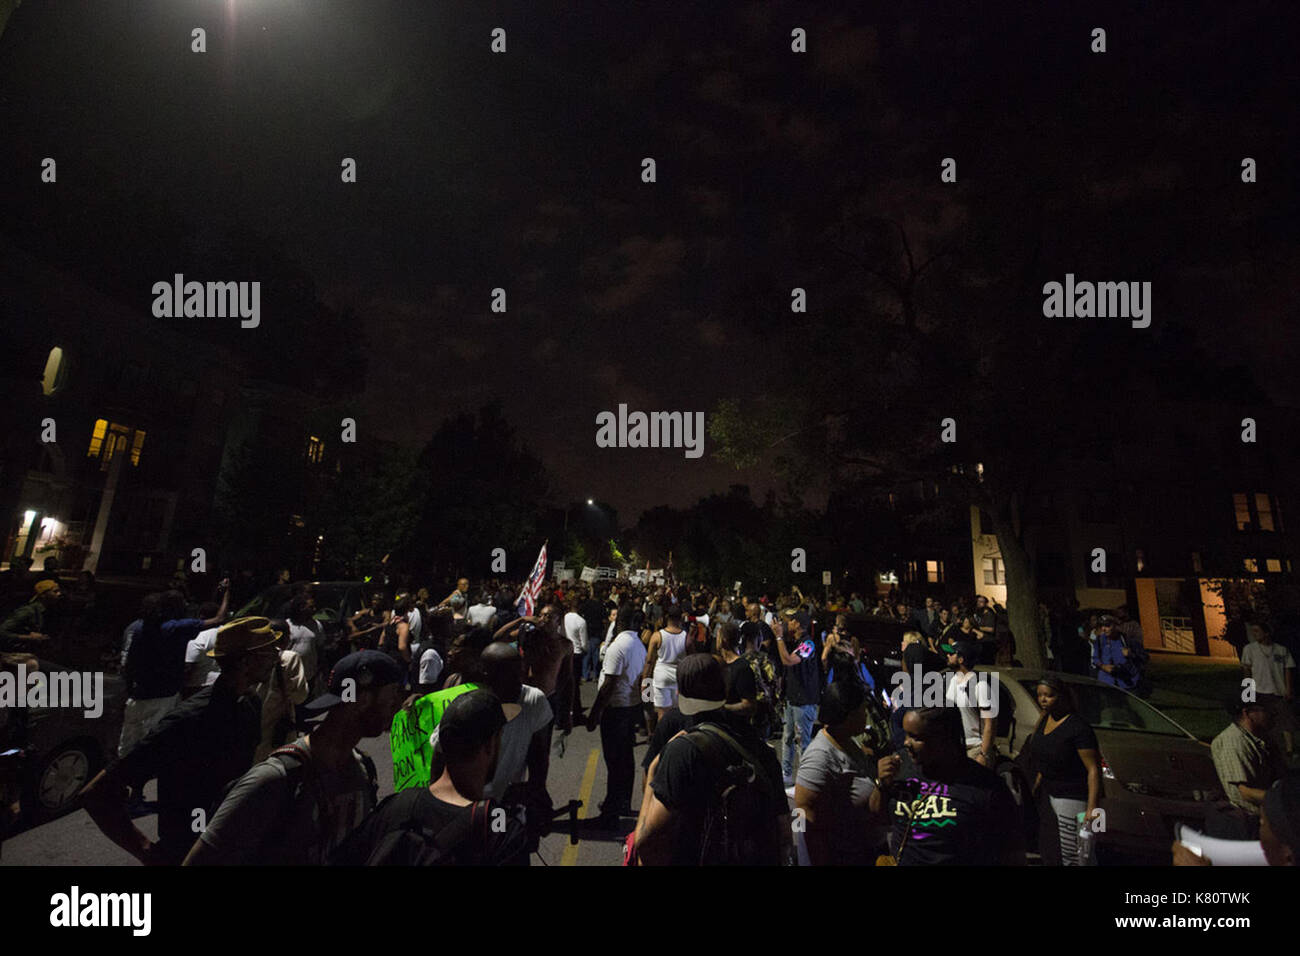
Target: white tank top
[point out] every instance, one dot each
(671, 647)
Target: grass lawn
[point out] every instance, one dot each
(1191, 690)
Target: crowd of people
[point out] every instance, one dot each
(762, 720)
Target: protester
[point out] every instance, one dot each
(1112, 657)
(803, 682)
(616, 711)
(835, 782)
(666, 647)
(575, 629)
(1272, 668)
(967, 694)
(155, 664)
(194, 751)
(1247, 766)
(691, 813)
(281, 695)
(302, 801)
(449, 822)
(946, 808)
(26, 627)
(1063, 755)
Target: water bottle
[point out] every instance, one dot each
(1085, 840)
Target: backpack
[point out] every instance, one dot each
(414, 844)
(739, 822)
(764, 672)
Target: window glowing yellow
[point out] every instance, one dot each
(53, 378)
(136, 444)
(97, 438)
(315, 449)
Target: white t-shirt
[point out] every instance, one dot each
(967, 705)
(480, 615)
(430, 666)
(1267, 666)
(575, 628)
(516, 735)
(303, 642)
(201, 670)
(624, 662)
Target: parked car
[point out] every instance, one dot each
(63, 748)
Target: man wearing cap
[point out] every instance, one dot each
(685, 779)
(26, 625)
(1245, 762)
(449, 821)
(197, 748)
(1110, 657)
(962, 691)
(300, 803)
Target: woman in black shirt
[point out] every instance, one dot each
(1062, 752)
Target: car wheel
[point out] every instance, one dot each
(53, 784)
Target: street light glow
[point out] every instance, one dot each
(590, 502)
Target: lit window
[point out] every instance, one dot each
(55, 372)
(116, 442)
(97, 438)
(1265, 511)
(1242, 507)
(1251, 565)
(1274, 565)
(315, 449)
(137, 442)
(934, 572)
(995, 571)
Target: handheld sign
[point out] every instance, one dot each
(409, 737)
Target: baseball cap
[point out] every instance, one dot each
(966, 650)
(701, 686)
(366, 669)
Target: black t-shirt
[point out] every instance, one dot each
(198, 747)
(1056, 757)
(966, 819)
(803, 682)
(669, 725)
(739, 677)
(686, 780)
(501, 841)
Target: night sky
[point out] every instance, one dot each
(522, 170)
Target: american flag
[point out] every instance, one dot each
(528, 596)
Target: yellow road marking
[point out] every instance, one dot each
(588, 781)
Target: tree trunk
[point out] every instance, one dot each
(1022, 592)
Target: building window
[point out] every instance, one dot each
(1274, 565)
(1242, 506)
(137, 442)
(1265, 511)
(911, 571)
(1251, 565)
(995, 572)
(97, 438)
(1196, 561)
(934, 572)
(56, 372)
(315, 450)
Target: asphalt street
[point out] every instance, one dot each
(579, 773)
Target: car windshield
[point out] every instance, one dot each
(1106, 708)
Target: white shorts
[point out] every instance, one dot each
(665, 696)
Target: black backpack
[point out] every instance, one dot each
(414, 844)
(740, 819)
